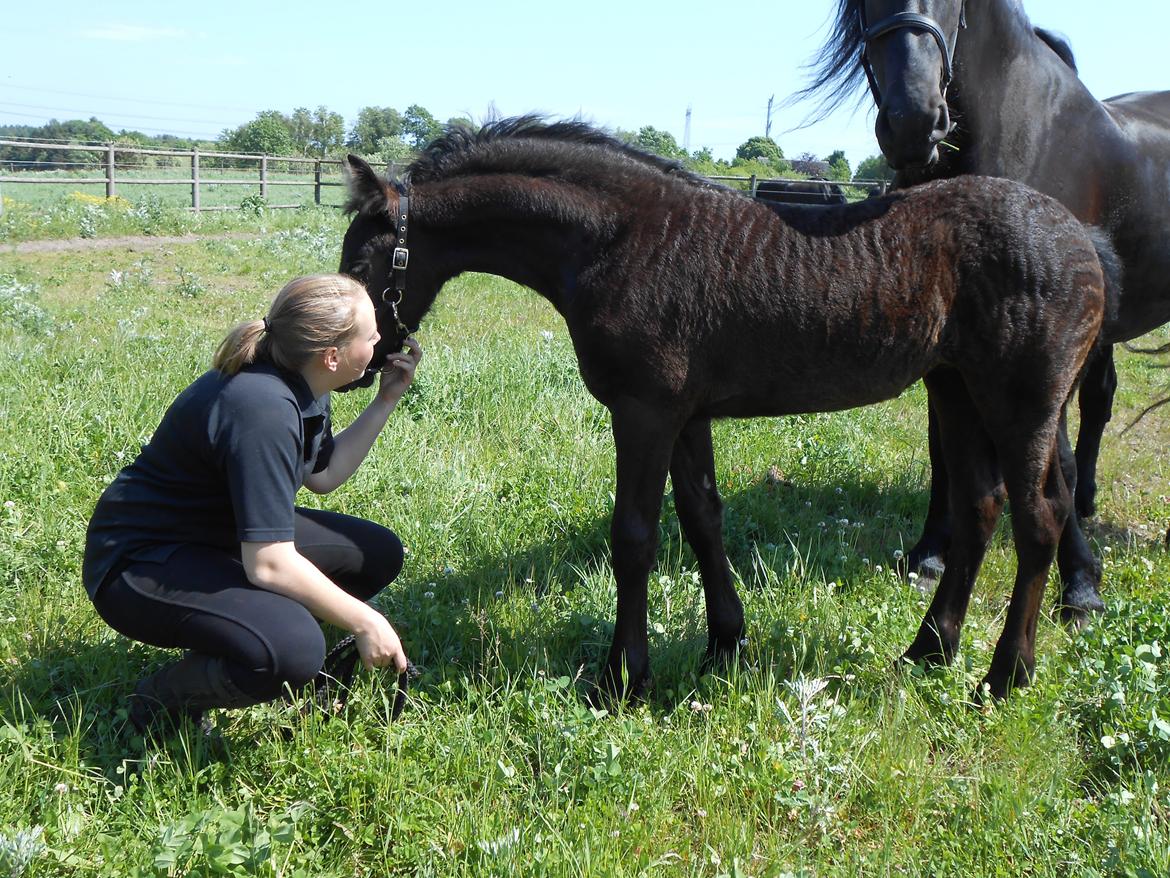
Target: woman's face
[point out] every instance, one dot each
(356, 353)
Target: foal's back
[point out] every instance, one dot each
(816, 309)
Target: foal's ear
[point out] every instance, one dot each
(369, 193)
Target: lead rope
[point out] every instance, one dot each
(332, 685)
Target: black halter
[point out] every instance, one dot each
(908, 21)
(399, 260)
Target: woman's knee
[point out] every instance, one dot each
(286, 655)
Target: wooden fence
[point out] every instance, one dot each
(315, 175)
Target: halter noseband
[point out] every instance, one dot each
(908, 21)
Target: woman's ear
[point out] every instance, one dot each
(331, 358)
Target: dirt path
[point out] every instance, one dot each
(128, 242)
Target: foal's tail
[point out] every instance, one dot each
(1111, 269)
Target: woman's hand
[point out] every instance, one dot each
(398, 372)
(378, 643)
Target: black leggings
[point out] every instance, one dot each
(200, 599)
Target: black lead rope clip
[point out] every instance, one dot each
(332, 685)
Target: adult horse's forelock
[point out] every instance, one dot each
(369, 191)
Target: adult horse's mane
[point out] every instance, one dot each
(531, 146)
(837, 74)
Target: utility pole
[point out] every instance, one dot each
(687, 132)
(768, 123)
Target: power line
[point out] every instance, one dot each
(117, 114)
(78, 94)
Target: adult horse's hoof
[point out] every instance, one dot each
(1085, 500)
(1080, 602)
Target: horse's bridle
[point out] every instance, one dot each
(908, 21)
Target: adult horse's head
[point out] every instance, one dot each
(376, 251)
(905, 50)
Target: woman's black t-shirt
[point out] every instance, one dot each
(223, 467)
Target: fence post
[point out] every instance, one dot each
(195, 180)
(317, 182)
(264, 177)
(111, 186)
(752, 186)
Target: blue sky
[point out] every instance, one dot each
(199, 68)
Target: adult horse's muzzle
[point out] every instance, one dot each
(909, 132)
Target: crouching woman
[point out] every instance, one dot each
(198, 543)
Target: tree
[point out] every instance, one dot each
(839, 166)
(658, 142)
(268, 133)
(419, 126)
(373, 125)
(874, 168)
(760, 149)
(328, 132)
(300, 126)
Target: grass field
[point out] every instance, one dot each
(810, 758)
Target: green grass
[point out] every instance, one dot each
(497, 471)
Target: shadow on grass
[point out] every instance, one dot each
(78, 688)
(509, 616)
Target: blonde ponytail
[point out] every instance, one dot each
(309, 315)
(239, 348)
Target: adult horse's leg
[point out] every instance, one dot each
(1080, 574)
(928, 556)
(1041, 502)
(700, 512)
(643, 438)
(976, 501)
(1096, 402)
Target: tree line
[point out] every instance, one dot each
(384, 134)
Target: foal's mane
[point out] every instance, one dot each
(531, 146)
(837, 73)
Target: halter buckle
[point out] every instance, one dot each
(400, 259)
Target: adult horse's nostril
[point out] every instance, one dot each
(942, 123)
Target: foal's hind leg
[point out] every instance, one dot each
(1041, 502)
(976, 501)
(700, 512)
(928, 556)
(1080, 574)
(1096, 400)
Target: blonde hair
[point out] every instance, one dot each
(309, 315)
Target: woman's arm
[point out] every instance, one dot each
(352, 444)
(280, 568)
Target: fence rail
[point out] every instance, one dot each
(199, 177)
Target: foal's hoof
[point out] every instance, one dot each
(1080, 602)
(605, 695)
(722, 653)
(926, 566)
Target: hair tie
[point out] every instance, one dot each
(267, 325)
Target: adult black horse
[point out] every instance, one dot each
(687, 302)
(974, 88)
(801, 192)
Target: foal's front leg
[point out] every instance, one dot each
(928, 556)
(643, 438)
(700, 512)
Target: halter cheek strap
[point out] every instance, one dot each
(399, 260)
